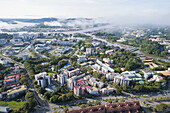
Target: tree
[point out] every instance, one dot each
(24, 81)
(124, 87)
(115, 100)
(83, 106)
(47, 95)
(103, 79)
(109, 101)
(161, 107)
(122, 100)
(65, 110)
(54, 99)
(41, 90)
(118, 91)
(97, 103)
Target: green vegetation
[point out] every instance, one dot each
(162, 106)
(12, 104)
(5, 36)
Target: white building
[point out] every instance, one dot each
(121, 80)
(3, 61)
(25, 57)
(110, 76)
(109, 51)
(97, 67)
(122, 40)
(107, 60)
(105, 68)
(62, 78)
(81, 58)
(88, 51)
(43, 79)
(3, 41)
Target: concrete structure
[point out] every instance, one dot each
(5, 109)
(72, 72)
(105, 68)
(106, 90)
(132, 75)
(109, 51)
(9, 79)
(81, 58)
(62, 79)
(78, 90)
(25, 57)
(88, 51)
(43, 79)
(121, 80)
(3, 61)
(107, 60)
(122, 40)
(3, 41)
(110, 76)
(12, 93)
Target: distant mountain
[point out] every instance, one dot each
(42, 20)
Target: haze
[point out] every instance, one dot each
(116, 11)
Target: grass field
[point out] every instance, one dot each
(12, 104)
(51, 73)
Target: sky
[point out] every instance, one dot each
(118, 11)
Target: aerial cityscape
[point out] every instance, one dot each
(90, 56)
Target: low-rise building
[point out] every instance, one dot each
(151, 65)
(9, 79)
(107, 60)
(12, 93)
(121, 80)
(71, 72)
(78, 90)
(132, 75)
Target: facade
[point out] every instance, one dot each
(78, 90)
(62, 79)
(121, 80)
(105, 68)
(132, 75)
(3, 61)
(72, 72)
(67, 43)
(88, 51)
(3, 41)
(9, 79)
(110, 76)
(81, 59)
(43, 79)
(109, 51)
(12, 93)
(107, 60)
(106, 90)
(25, 57)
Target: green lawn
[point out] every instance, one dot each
(12, 104)
(51, 73)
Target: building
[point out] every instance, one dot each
(107, 60)
(78, 90)
(25, 57)
(3, 41)
(88, 51)
(106, 90)
(96, 66)
(95, 44)
(12, 93)
(110, 76)
(92, 90)
(121, 80)
(67, 43)
(81, 58)
(105, 68)
(122, 40)
(132, 75)
(119, 107)
(3, 61)
(148, 75)
(151, 65)
(43, 79)
(71, 82)
(166, 72)
(109, 51)
(71, 72)
(62, 79)
(5, 109)
(9, 79)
